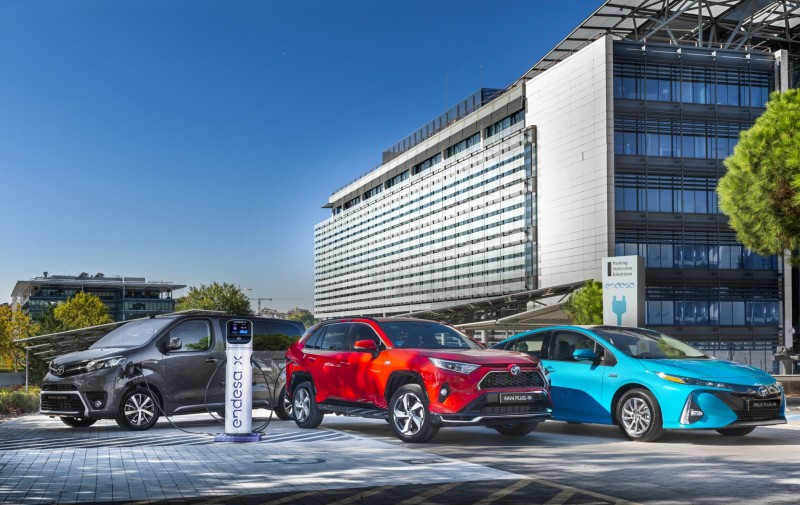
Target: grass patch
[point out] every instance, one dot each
(16, 402)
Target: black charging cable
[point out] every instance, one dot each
(219, 420)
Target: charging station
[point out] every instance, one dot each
(238, 383)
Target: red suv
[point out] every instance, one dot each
(419, 375)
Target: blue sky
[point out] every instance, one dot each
(196, 141)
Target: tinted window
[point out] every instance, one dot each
(132, 334)
(529, 344)
(194, 335)
(275, 335)
(566, 342)
(426, 335)
(648, 344)
(334, 337)
(315, 339)
(360, 331)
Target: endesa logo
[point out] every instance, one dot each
(238, 392)
(620, 285)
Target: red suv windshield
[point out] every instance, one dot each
(425, 335)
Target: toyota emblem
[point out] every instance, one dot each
(514, 370)
(58, 370)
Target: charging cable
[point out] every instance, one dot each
(220, 420)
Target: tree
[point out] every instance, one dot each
(47, 321)
(81, 311)
(223, 297)
(760, 193)
(304, 316)
(14, 325)
(585, 306)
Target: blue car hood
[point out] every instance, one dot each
(716, 369)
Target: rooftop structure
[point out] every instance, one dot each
(126, 297)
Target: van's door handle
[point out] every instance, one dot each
(211, 360)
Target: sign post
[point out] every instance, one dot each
(623, 291)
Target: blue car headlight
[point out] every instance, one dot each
(693, 382)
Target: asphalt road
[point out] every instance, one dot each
(359, 461)
(589, 460)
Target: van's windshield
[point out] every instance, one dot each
(132, 334)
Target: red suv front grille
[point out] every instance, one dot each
(504, 379)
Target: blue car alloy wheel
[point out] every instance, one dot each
(647, 382)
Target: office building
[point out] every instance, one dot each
(612, 144)
(126, 297)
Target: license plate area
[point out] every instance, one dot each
(518, 397)
(762, 405)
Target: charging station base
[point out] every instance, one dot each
(251, 437)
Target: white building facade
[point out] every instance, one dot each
(450, 219)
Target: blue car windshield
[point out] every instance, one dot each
(132, 334)
(425, 335)
(648, 344)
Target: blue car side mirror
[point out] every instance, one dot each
(584, 355)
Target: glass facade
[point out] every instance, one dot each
(124, 299)
(455, 226)
(677, 115)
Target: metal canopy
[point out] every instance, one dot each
(489, 308)
(541, 316)
(765, 25)
(53, 345)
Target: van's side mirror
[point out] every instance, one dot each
(584, 355)
(174, 344)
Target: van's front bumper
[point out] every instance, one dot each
(87, 395)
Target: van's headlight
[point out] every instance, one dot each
(97, 364)
(454, 366)
(692, 381)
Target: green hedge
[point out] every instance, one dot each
(16, 402)
(273, 342)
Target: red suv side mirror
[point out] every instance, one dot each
(365, 345)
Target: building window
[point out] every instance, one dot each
(425, 165)
(372, 192)
(397, 179)
(465, 144)
(505, 123)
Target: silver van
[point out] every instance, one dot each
(172, 364)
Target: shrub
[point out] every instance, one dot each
(16, 402)
(273, 342)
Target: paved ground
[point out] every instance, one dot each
(350, 460)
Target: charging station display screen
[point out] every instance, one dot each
(240, 331)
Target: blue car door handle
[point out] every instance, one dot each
(612, 375)
(550, 369)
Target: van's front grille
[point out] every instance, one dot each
(68, 369)
(54, 402)
(52, 386)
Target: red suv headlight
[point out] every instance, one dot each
(454, 366)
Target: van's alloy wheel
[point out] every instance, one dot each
(138, 410)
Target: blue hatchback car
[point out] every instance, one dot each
(647, 382)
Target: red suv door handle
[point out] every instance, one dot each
(311, 358)
(345, 363)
